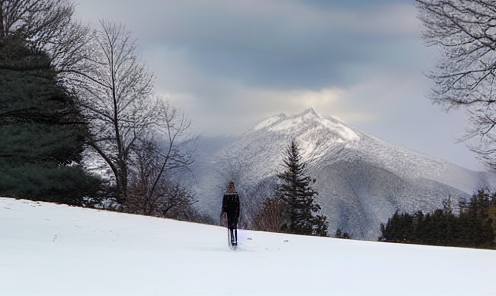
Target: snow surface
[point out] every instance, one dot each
(49, 249)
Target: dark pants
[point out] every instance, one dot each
(232, 222)
(232, 225)
(233, 232)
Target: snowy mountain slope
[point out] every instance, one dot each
(49, 249)
(361, 179)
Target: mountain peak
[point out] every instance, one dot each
(308, 113)
(308, 126)
(283, 121)
(304, 120)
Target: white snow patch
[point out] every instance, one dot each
(345, 132)
(49, 249)
(308, 119)
(267, 123)
(287, 124)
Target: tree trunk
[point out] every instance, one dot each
(2, 31)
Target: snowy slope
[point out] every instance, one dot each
(361, 179)
(49, 249)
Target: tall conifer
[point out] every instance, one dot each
(41, 130)
(299, 197)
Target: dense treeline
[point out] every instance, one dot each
(474, 226)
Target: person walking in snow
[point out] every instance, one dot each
(230, 206)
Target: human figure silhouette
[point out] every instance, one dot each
(230, 206)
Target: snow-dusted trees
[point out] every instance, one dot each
(139, 136)
(465, 74)
(116, 96)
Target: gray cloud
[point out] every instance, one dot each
(272, 43)
(241, 61)
(300, 47)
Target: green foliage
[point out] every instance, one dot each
(473, 227)
(39, 119)
(64, 184)
(41, 131)
(298, 197)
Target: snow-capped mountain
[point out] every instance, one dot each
(361, 179)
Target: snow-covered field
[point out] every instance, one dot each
(49, 249)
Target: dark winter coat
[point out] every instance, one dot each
(230, 205)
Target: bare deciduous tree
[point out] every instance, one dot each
(171, 199)
(115, 93)
(269, 218)
(133, 131)
(464, 76)
(169, 148)
(48, 26)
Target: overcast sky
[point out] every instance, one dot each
(230, 64)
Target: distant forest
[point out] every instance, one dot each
(474, 226)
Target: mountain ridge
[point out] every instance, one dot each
(361, 179)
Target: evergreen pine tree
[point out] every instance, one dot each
(298, 197)
(481, 225)
(41, 131)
